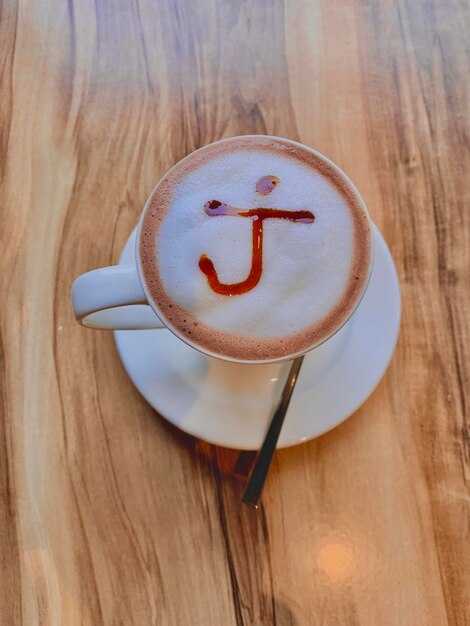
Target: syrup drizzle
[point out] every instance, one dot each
(266, 184)
(258, 215)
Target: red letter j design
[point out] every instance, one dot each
(258, 215)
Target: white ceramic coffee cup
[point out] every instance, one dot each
(117, 298)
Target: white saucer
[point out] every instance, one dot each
(230, 404)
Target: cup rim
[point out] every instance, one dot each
(225, 357)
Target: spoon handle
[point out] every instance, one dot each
(263, 461)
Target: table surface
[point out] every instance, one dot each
(109, 515)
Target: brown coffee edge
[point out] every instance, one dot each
(240, 346)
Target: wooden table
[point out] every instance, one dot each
(109, 515)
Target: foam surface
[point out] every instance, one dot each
(307, 267)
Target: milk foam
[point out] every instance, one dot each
(307, 267)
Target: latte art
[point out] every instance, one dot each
(255, 248)
(214, 207)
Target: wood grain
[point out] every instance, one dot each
(108, 515)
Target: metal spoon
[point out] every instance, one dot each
(262, 464)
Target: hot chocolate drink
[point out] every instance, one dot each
(255, 248)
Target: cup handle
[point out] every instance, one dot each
(112, 298)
